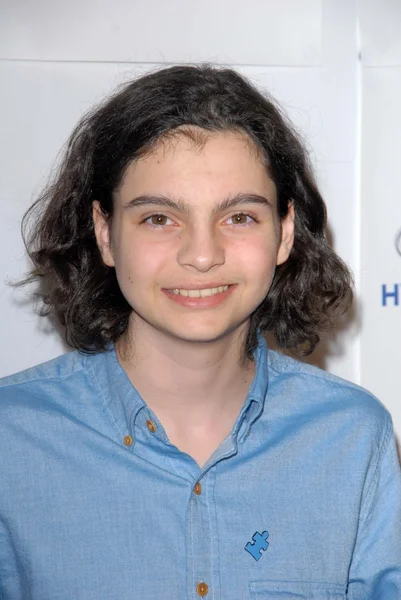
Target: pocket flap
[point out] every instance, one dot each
(296, 590)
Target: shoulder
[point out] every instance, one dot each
(45, 398)
(42, 382)
(320, 393)
(53, 399)
(58, 368)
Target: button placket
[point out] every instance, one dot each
(200, 557)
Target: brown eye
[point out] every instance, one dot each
(240, 219)
(158, 221)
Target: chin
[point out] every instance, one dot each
(205, 334)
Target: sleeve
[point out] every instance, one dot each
(375, 572)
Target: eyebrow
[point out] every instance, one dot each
(185, 207)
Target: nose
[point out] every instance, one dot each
(202, 249)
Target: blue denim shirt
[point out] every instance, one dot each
(302, 500)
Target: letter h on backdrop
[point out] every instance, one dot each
(393, 295)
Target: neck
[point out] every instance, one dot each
(185, 370)
(194, 388)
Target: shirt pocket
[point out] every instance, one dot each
(296, 590)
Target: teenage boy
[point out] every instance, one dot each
(172, 455)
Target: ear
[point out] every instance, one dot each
(287, 235)
(102, 233)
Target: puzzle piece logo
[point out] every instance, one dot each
(258, 545)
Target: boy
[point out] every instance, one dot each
(172, 455)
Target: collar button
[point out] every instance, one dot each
(151, 426)
(128, 440)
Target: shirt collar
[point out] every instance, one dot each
(120, 398)
(123, 403)
(258, 389)
(254, 402)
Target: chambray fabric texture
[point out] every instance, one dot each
(311, 460)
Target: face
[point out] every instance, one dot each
(195, 237)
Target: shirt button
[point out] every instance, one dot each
(198, 491)
(202, 589)
(151, 426)
(128, 440)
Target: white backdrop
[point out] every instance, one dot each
(57, 59)
(381, 203)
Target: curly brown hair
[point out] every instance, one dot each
(308, 290)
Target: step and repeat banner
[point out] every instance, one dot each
(380, 273)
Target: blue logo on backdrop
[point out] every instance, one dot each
(391, 292)
(398, 242)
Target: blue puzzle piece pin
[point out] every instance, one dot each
(259, 544)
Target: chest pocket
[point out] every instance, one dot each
(296, 590)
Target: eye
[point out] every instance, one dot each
(158, 221)
(242, 219)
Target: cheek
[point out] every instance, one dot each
(256, 255)
(137, 262)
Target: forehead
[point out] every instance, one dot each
(194, 163)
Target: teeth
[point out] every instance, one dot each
(201, 293)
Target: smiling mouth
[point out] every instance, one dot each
(205, 293)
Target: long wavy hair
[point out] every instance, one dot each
(308, 291)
